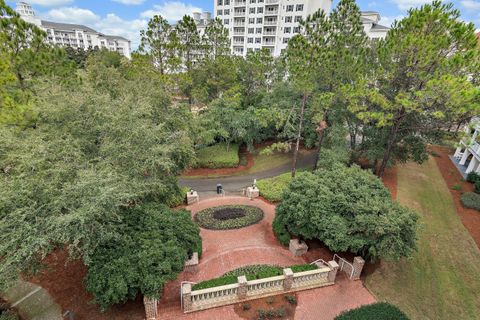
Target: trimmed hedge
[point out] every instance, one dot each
(272, 188)
(218, 156)
(252, 272)
(473, 177)
(8, 315)
(280, 231)
(471, 200)
(376, 311)
(206, 218)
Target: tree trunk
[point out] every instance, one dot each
(321, 136)
(299, 136)
(386, 155)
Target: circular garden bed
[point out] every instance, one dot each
(228, 217)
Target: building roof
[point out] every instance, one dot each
(66, 26)
(379, 27)
(369, 12)
(115, 37)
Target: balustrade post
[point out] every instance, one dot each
(242, 287)
(187, 297)
(150, 308)
(288, 282)
(358, 264)
(332, 274)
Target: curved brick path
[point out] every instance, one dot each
(227, 250)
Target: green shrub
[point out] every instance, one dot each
(280, 313)
(280, 231)
(303, 268)
(178, 198)
(218, 156)
(270, 300)
(457, 187)
(207, 218)
(376, 311)
(291, 299)
(471, 200)
(245, 307)
(272, 188)
(8, 315)
(477, 186)
(473, 177)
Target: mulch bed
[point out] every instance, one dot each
(273, 303)
(390, 181)
(470, 217)
(63, 280)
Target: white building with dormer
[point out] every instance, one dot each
(74, 35)
(467, 154)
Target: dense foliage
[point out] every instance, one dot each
(252, 272)
(150, 249)
(348, 209)
(272, 188)
(228, 217)
(280, 231)
(217, 156)
(376, 311)
(471, 200)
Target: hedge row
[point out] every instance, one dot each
(218, 156)
(471, 200)
(253, 272)
(376, 311)
(280, 231)
(272, 188)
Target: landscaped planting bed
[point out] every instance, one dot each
(252, 272)
(471, 200)
(376, 311)
(228, 217)
(218, 156)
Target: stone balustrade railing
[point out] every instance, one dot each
(243, 290)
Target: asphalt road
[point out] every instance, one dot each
(235, 184)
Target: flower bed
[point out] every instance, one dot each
(228, 217)
(252, 272)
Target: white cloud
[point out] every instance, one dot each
(388, 20)
(471, 4)
(407, 4)
(72, 15)
(130, 2)
(171, 10)
(50, 3)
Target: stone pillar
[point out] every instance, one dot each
(191, 265)
(332, 275)
(150, 308)
(187, 297)
(242, 287)
(288, 282)
(358, 264)
(192, 197)
(458, 152)
(466, 153)
(297, 248)
(472, 165)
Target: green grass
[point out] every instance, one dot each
(218, 156)
(441, 280)
(272, 188)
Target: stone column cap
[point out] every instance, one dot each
(358, 260)
(187, 288)
(287, 272)
(242, 279)
(333, 264)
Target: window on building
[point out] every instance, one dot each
(258, 40)
(251, 20)
(298, 18)
(253, 1)
(287, 30)
(288, 19)
(285, 40)
(299, 7)
(250, 40)
(219, 12)
(251, 30)
(260, 1)
(296, 29)
(226, 12)
(290, 8)
(259, 20)
(219, 2)
(252, 10)
(226, 21)
(260, 10)
(259, 30)
(227, 2)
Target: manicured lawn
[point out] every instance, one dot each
(218, 156)
(263, 162)
(441, 280)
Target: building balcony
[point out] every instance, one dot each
(268, 43)
(239, 33)
(239, 24)
(271, 1)
(239, 13)
(240, 3)
(271, 12)
(270, 22)
(269, 33)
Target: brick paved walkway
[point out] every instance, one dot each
(227, 250)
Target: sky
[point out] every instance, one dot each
(127, 17)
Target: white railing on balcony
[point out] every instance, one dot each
(268, 43)
(271, 12)
(271, 1)
(239, 24)
(269, 33)
(270, 22)
(240, 3)
(238, 33)
(239, 13)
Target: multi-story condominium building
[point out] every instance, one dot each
(74, 35)
(256, 24)
(202, 20)
(467, 155)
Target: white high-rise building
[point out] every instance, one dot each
(256, 24)
(74, 35)
(370, 20)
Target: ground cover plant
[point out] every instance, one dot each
(252, 272)
(228, 217)
(217, 156)
(431, 283)
(272, 188)
(376, 311)
(471, 200)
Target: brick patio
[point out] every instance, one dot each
(227, 250)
